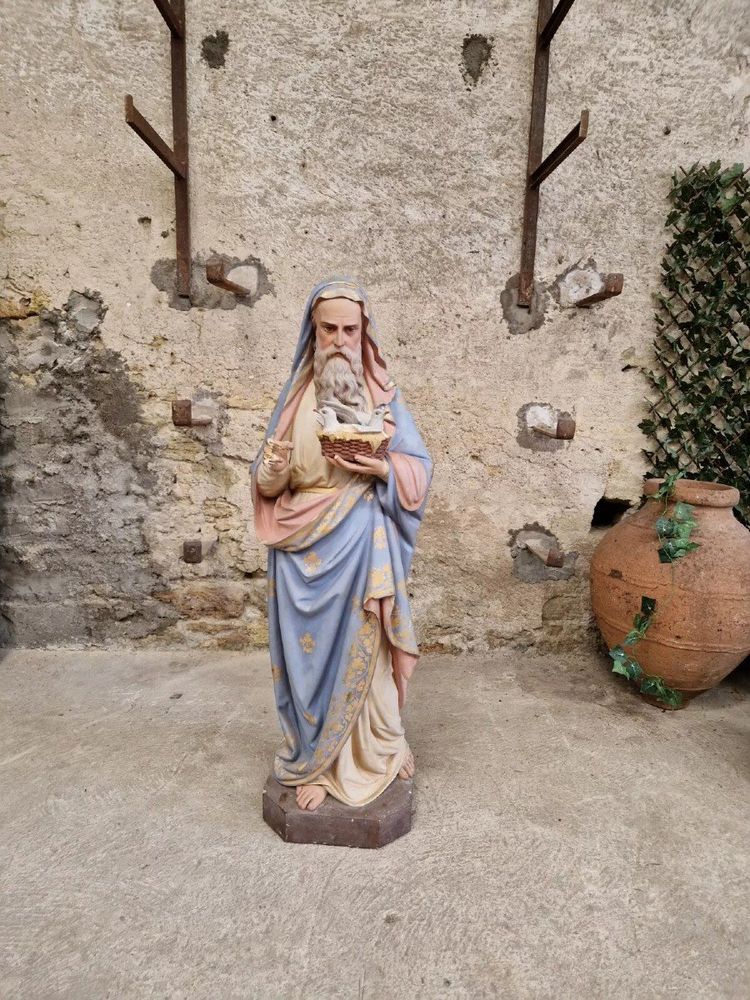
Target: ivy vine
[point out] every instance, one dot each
(674, 534)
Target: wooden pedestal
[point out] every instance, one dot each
(373, 825)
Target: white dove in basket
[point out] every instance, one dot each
(348, 432)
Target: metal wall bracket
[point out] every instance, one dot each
(195, 550)
(546, 550)
(176, 158)
(216, 275)
(563, 429)
(185, 413)
(548, 21)
(613, 285)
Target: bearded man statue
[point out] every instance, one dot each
(340, 536)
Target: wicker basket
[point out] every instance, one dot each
(348, 444)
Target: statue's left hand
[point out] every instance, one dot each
(364, 465)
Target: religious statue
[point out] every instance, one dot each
(339, 490)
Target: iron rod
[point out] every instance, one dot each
(554, 21)
(175, 19)
(536, 148)
(152, 138)
(180, 139)
(561, 151)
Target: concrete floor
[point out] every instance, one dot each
(570, 840)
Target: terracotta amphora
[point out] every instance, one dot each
(701, 629)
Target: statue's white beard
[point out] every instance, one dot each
(339, 378)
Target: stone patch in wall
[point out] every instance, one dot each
(249, 272)
(475, 54)
(578, 282)
(214, 49)
(527, 566)
(77, 485)
(522, 320)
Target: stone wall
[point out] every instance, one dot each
(383, 140)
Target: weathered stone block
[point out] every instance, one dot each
(207, 599)
(239, 635)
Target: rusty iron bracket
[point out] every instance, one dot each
(186, 413)
(613, 284)
(195, 550)
(216, 275)
(546, 551)
(564, 429)
(561, 151)
(176, 158)
(548, 21)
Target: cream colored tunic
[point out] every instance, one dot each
(375, 750)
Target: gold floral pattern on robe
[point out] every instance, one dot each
(312, 561)
(381, 581)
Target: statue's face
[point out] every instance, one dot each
(338, 328)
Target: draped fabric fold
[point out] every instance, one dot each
(337, 565)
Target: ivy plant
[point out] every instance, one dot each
(674, 534)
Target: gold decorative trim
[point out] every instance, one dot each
(365, 687)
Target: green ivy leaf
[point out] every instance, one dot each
(634, 670)
(656, 687)
(726, 178)
(682, 512)
(667, 487)
(619, 656)
(666, 553)
(665, 527)
(676, 548)
(625, 665)
(672, 697)
(684, 530)
(652, 685)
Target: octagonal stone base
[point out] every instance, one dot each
(373, 825)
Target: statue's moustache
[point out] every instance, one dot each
(331, 352)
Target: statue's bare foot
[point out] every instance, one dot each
(310, 796)
(408, 767)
